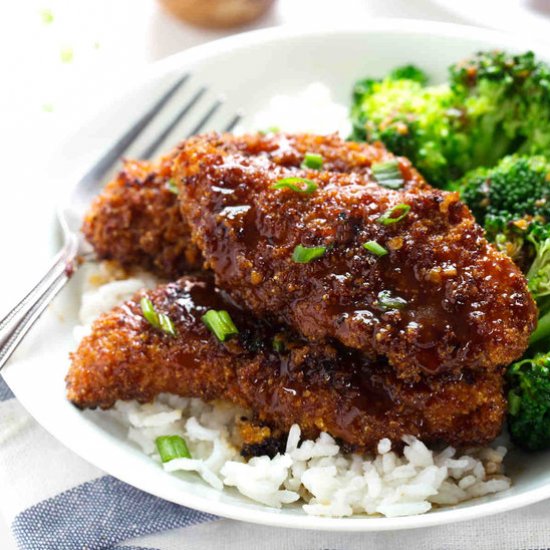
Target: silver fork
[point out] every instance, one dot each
(15, 325)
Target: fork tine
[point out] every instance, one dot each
(112, 156)
(202, 122)
(236, 119)
(150, 150)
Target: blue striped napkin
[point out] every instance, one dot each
(54, 500)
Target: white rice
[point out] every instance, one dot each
(315, 474)
(310, 110)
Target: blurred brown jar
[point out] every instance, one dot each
(217, 13)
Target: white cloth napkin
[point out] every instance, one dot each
(54, 500)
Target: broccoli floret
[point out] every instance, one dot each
(495, 104)
(529, 402)
(517, 87)
(411, 119)
(409, 72)
(518, 187)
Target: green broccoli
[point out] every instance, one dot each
(518, 86)
(411, 119)
(495, 104)
(529, 402)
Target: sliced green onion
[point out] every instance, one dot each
(290, 183)
(375, 248)
(388, 174)
(172, 446)
(158, 320)
(278, 344)
(66, 55)
(394, 215)
(47, 16)
(166, 324)
(270, 130)
(314, 161)
(304, 255)
(387, 301)
(220, 323)
(172, 187)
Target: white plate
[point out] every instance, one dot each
(249, 69)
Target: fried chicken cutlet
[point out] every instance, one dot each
(137, 221)
(432, 296)
(318, 386)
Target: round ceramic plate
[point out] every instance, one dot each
(248, 69)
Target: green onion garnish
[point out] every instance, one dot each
(394, 215)
(304, 255)
(47, 16)
(388, 174)
(66, 55)
(158, 320)
(172, 187)
(220, 323)
(386, 301)
(172, 446)
(290, 183)
(375, 248)
(314, 161)
(270, 130)
(278, 344)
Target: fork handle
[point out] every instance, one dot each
(15, 325)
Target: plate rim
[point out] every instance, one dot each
(271, 516)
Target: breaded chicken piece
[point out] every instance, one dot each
(438, 298)
(319, 387)
(136, 221)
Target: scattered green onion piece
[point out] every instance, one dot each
(386, 301)
(66, 55)
(166, 324)
(313, 161)
(278, 344)
(172, 187)
(270, 130)
(220, 323)
(388, 174)
(304, 255)
(291, 183)
(47, 108)
(375, 248)
(171, 447)
(160, 321)
(47, 16)
(394, 215)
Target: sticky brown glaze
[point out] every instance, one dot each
(317, 386)
(465, 304)
(136, 221)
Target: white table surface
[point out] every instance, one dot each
(109, 40)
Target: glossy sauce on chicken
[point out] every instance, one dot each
(319, 386)
(440, 300)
